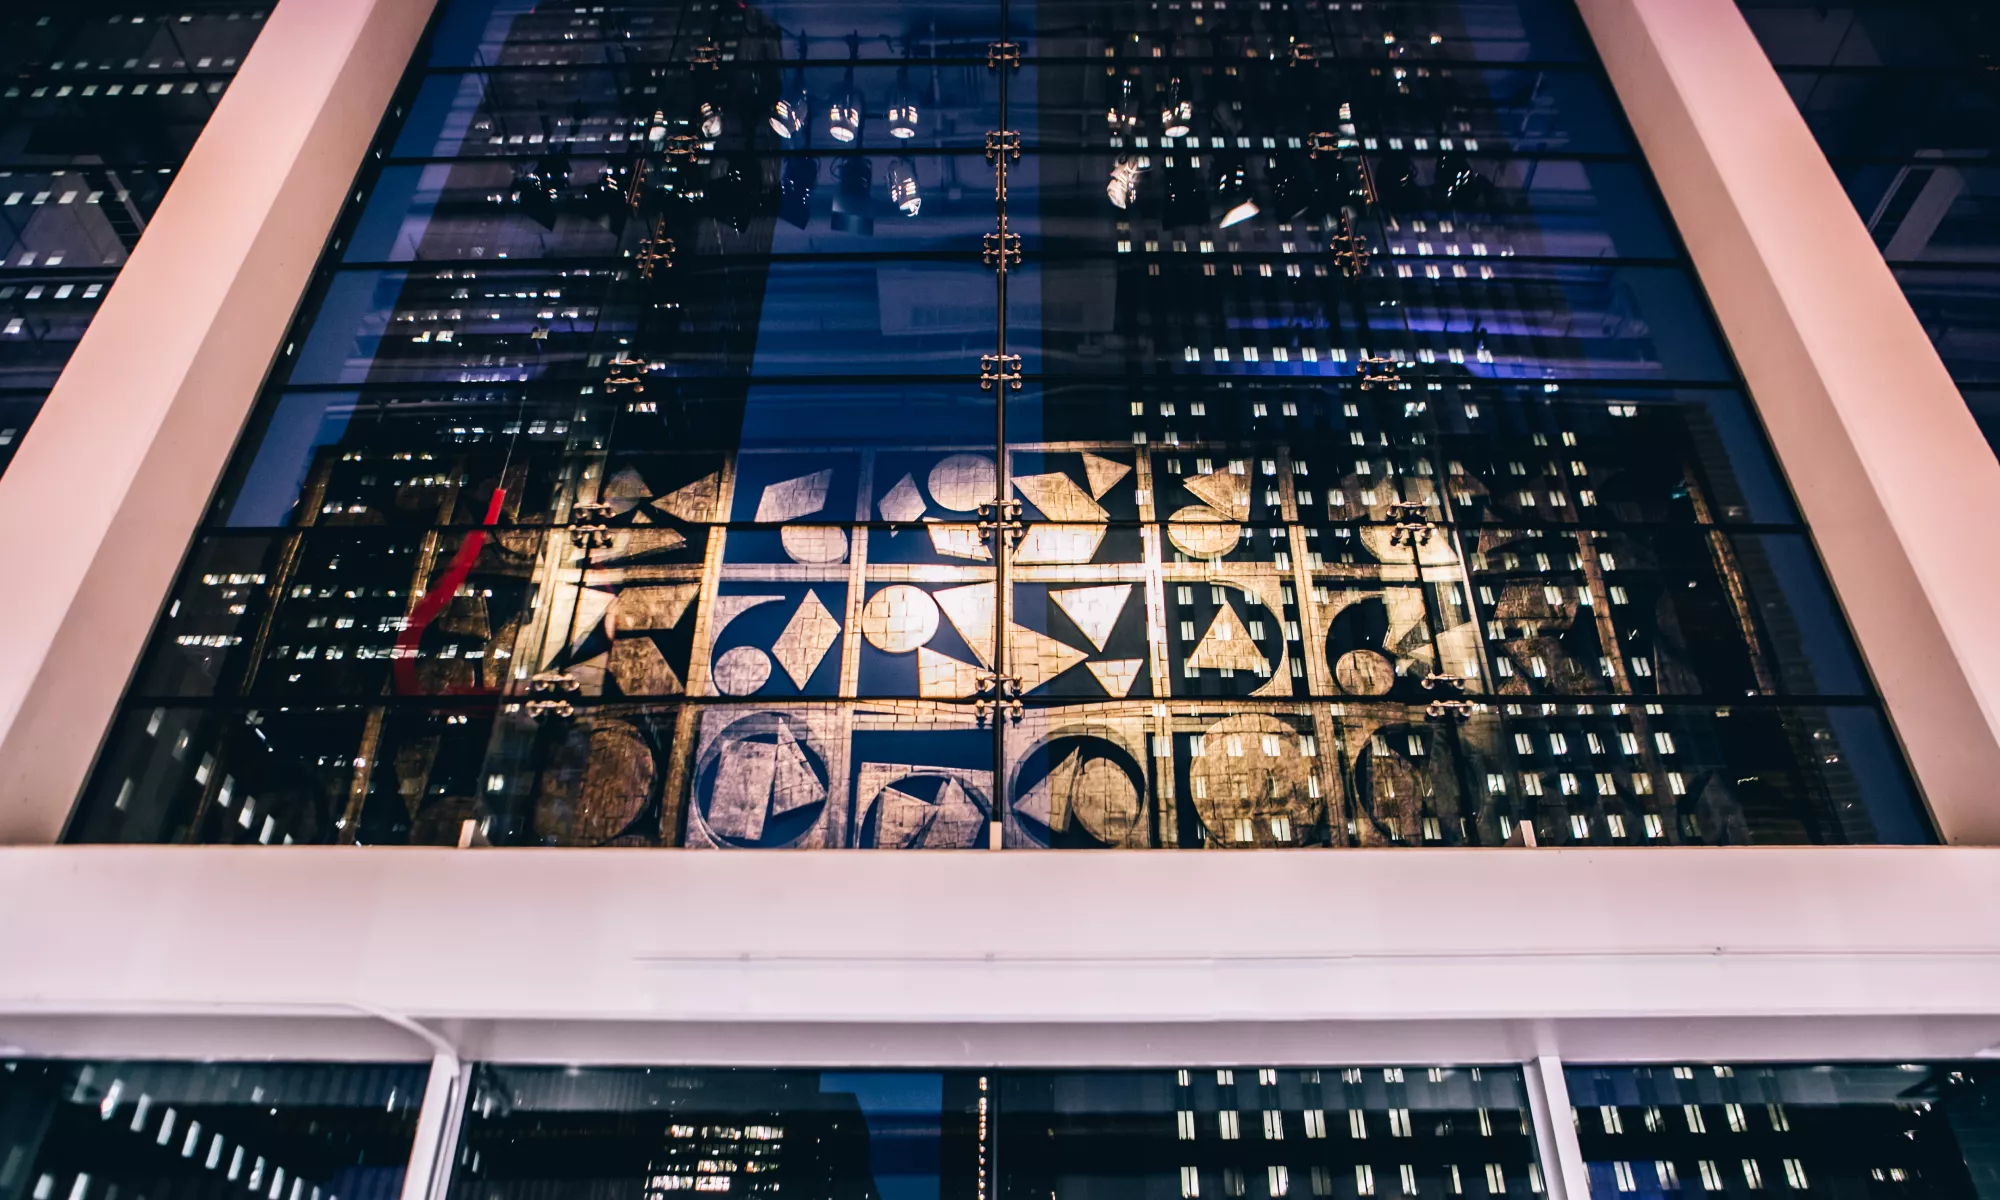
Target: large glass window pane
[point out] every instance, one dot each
(1152, 444)
(96, 1130)
(1914, 1129)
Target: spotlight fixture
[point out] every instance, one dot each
(656, 129)
(903, 108)
(795, 191)
(788, 115)
(709, 117)
(1185, 203)
(853, 208)
(1177, 114)
(1123, 116)
(1233, 202)
(1123, 188)
(843, 116)
(903, 187)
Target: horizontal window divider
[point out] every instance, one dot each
(1494, 703)
(566, 389)
(1305, 522)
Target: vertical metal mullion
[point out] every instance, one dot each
(1003, 484)
(429, 1171)
(1563, 1172)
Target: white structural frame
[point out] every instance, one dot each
(1387, 957)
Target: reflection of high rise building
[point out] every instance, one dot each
(1461, 454)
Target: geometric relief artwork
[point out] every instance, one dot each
(900, 806)
(1254, 781)
(763, 780)
(1080, 785)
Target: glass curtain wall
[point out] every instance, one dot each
(1866, 1129)
(206, 1131)
(100, 102)
(562, 1133)
(1067, 425)
(1904, 99)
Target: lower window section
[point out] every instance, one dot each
(106, 1130)
(564, 770)
(1873, 1130)
(1267, 1133)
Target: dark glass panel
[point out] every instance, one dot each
(1374, 107)
(1924, 1129)
(1874, 33)
(719, 207)
(81, 219)
(1453, 207)
(1960, 309)
(537, 114)
(1899, 114)
(518, 33)
(843, 1135)
(93, 1130)
(1197, 309)
(1405, 32)
(43, 314)
(1269, 1132)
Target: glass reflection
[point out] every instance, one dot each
(96, 117)
(1357, 466)
(95, 1130)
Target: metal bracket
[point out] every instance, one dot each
(1002, 142)
(1457, 710)
(1303, 53)
(996, 694)
(549, 694)
(589, 537)
(1001, 516)
(1350, 249)
(1375, 371)
(588, 513)
(1000, 54)
(683, 145)
(1003, 250)
(996, 369)
(1454, 683)
(655, 252)
(1411, 529)
(708, 54)
(625, 373)
(1321, 142)
(636, 191)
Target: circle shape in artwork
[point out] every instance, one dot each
(899, 618)
(1079, 789)
(1202, 532)
(963, 482)
(814, 543)
(1364, 673)
(741, 670)
(1240, 786)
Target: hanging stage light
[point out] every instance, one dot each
(656, 130)
(1123, 116)
(1177, 113)
(903, 187)
(795, 191)
(843, 116)
(709, 117)
(903, 107)
(794, 106)
(853, 207)
(1123, 188)
(1185, 203)
(1233, 202)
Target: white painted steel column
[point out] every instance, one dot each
(99, 503)
(429, 1171)
(1890, 470)
(1555, 1130)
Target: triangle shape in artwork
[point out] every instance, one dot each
(903, 503)
(1226, 646)
(1048, 801)
(627, 485)
(942, 677)
(1103, 474)
(970, 609)
(1224, 491)
(1117, 676)
(591, 604)
(694, 503)
(793, 784)
(1035, 657)
(1059, 498)
(1094, 609)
